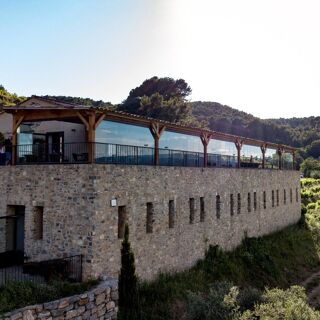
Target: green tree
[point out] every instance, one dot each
(313, 150)
(127, 280)
(164, 99)
(310, 168)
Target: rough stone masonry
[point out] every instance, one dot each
(98, 303)
(81, 206)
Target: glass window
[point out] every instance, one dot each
(178, 141)
(125, 134)
(222, 147)
(251, 151)
(271, 159)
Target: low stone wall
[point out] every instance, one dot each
(98, 303)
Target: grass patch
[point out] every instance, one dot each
(16, 295)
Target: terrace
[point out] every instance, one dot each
(46, 131)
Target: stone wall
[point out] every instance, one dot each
(79, 218)
(99, 303)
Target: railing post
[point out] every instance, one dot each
(205, 139)
(263, 150)
(239, 144)
(156, 131)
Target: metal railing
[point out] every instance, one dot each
(106, 153)
(179, 158)
(123, 154)
(69, 269)
(52, 153)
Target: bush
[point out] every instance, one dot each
(290, 304)
(218, 304)
(20, 294)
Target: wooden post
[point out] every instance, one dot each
(293, 160)
(156, 130)
(91, 137)
(239, 144)
(205, 139)
(16, 121)
(263, 150)
(280, 150)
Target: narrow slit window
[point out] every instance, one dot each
(231, 205)
(272, 198)
(122, 219)
(264, 200)
(249, 202)
(297, 195)
(171, 213)
(255, 201)
(239, 204)
(150, 213)
(284, 196)
(277, 193)
(202, 211)
(290, 195)
(38, 223)
(218, 206)
(192, 210)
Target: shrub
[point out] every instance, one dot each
(20, 294)
(218, 304)
(290, 304)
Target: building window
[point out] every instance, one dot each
(171, 214)
(202, 212)
(277, 192)
(284, 196)
(218, 206)
(249, 202)
(38, 223)
(290, 195)
(272, 198)
(150, 213)
(297, 195)
(192, 210)
(231, 205)
(264, 200)
(255, 201)
(122, 219)
(239, 204)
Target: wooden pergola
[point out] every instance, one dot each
(37, 109)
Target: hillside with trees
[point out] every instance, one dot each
(8, 99)
(167, 99)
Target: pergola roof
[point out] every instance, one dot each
(41, 109)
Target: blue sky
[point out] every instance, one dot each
(261, 57)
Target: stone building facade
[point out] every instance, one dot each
(174, 213)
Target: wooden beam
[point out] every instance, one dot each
(280, 150)
(100, 119)
(18, 122)
(263, 150)
(205, 139)
(91, 137)
(156, 130)
(84, 120)
(238, 144)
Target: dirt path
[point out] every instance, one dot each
(312, 285)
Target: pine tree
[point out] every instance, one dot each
(127, 280)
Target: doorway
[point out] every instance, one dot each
(55, 146)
